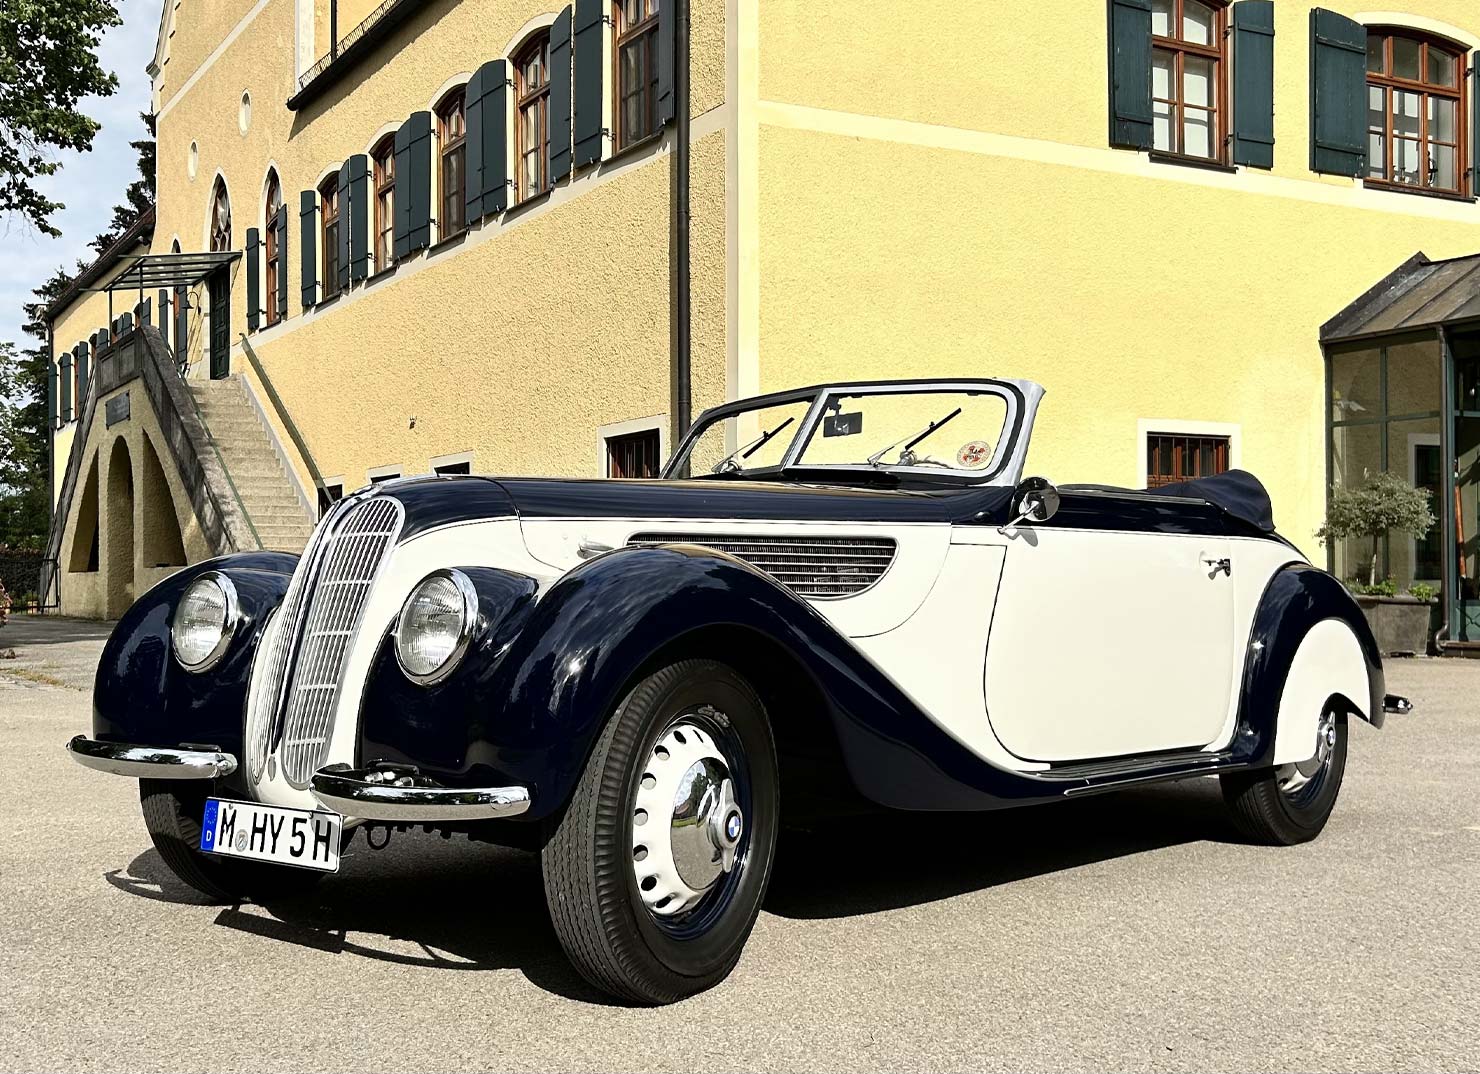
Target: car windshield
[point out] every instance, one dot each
(948, 430)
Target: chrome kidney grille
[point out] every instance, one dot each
(817, 567)
(302, 665)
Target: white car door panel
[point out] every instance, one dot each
(1105, 644)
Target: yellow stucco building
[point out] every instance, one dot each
(447, 234)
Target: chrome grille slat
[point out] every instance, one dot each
(321, 613)
(818, 567)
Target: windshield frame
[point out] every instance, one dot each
(1021, 399)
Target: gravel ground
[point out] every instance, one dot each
(1130, 932)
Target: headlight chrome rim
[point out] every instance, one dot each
(230, 622)
(469, 594)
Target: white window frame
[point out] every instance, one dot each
(1148, 427)
(658, 422)
(382, 473)
(450, 460)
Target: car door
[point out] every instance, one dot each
(1109, 642)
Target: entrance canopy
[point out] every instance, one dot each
(150, 271)
(1420, 294)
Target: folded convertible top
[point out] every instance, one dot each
(1237, 492)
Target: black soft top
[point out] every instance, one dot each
(1236, 493)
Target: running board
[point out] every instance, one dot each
(1123, 771)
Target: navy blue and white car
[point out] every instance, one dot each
(847, 590)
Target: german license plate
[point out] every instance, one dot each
(308, 838)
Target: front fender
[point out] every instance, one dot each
(141, 695)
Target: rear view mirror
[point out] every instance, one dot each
(1035, 500)
(840, 424)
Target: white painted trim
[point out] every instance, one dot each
(455, 82)
(390, 470)
(303, 42)
(324, 173)
(1418, 22)
(1415, 441)
(387, 130)
(1182, 427)
(732, 202)
(450, 460)
(749, 115)
(215, 54)
(525, 32)
(1349, 195)
(658, 422)
(710, 122)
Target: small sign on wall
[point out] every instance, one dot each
(116, 410)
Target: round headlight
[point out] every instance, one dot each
(435, 625)
(204, 621)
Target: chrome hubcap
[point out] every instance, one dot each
(686, 823)
(1293, 778)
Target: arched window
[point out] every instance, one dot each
(329, 232)
(220, 217)
(384, 157)
(451, 131)
(637, 70)
(532, 92)
(1415, 111)
(1188, 60)
(272, 206)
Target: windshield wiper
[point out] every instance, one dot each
(728, 465)
(873, 460)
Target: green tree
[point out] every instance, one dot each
(138, 196)
(1385, 503)
(48, 63)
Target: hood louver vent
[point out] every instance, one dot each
(815, 567)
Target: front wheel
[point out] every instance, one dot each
(656, 870)
(1287, 804)
(173, 812)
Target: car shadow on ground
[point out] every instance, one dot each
(457, 905)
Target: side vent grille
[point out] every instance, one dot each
(815, 567)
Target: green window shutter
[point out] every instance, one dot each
(589, 81)
(476, 141)
(1130, 73)
(182, 323)
(280, 222)
(1474, 104)
(560, 96)
(1253, 83)
(308, 241)
(357, 215)
(344, 230)
(66, 381)
(401, 206)
(52, 409)
(1338, 94)
(667, 39)
(417, 177)
(82, 369)
(163, 298)
(254, 282)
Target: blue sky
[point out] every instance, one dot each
(89, 184)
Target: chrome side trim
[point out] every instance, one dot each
(410, 799)
(150, 762)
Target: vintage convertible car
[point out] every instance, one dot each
(837, 595)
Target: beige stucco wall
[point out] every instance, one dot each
(971, 219)
(134, 539)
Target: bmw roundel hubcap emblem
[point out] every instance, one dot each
(732, 827)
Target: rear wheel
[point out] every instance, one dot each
(173, 812)
(1287, 804)
(655, 873)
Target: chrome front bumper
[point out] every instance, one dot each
(397, 795)
(151, 762)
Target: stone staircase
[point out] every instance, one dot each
(267, 493)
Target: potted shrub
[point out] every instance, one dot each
(1385, 503)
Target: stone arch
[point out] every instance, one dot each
(83, 556)
(161, 543)
(119, 573)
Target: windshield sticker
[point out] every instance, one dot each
(974, 455)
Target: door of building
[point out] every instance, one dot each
(220, 339)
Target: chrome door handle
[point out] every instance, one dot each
(1215, 565)
(590, 549)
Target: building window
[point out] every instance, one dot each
(274, 259)
(329, 228)
(633, 455)
(637, 70)
(1187, 65)
(384, 473)
(220, 218)
(532, 86)
(1415, 112)
(452, 469)
(385, 203)
(451, 131)
(329, 495)
(1173, 457)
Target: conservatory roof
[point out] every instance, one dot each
(1419, 295)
